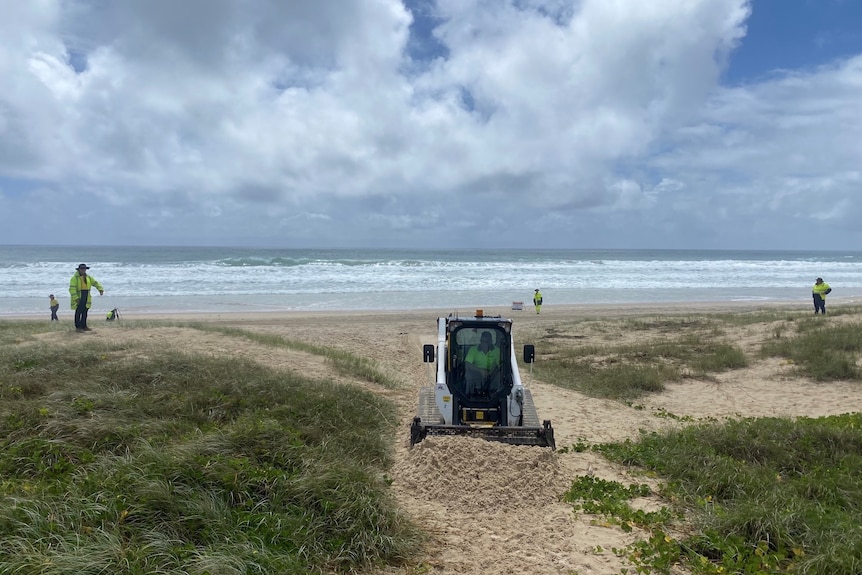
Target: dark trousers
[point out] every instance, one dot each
(54, 309)
(81, 310)
(819, 303)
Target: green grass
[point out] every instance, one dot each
(769, 495)
(184, 464)
(694, 347)
(823, 352)
(760, 496)
(777, 316)
(15, 332)
(667, 324)
(626, 372)
(179, 464)
(345, 362)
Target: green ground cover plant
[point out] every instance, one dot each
(153, 462)
(767, 495)
(760, 496)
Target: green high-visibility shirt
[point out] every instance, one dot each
(483, 360)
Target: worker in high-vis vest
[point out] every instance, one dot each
(818, 292)
(537, 301)
(54, 305)
(481, 363)
(79, 288)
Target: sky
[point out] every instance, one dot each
(620, 124)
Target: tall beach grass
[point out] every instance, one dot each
(759, 495)
(148, 461)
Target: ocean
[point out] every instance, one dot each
(157, 280)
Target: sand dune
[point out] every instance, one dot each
(493, 508)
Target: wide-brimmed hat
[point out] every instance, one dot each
(83, 267)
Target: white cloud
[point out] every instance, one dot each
(223, 121)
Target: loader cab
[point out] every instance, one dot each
(491, 401)
(479, 370)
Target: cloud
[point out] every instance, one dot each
(556, 123)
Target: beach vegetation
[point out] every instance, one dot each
(666, 324)
(347, 363)
(16, 332)
(822, 352)
(629, 370)
(134, 459)
(777, 315)
(755, 317)
(666, 349)
(150, 461)
(759, 496)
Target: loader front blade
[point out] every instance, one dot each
(540, 436)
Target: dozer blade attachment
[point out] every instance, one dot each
(540, 436)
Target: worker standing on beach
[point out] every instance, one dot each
(537, 300)
(818, 292)
(54, 305)
(79, 289)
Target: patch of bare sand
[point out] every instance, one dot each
(490, 507)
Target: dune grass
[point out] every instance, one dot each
(627, 372)
(823, 352)
(675, 348)
(760, 495)
(768, 495)
(114, 461)
(16, 332)
(157, 462)
(345, 362)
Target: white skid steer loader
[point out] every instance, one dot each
(478, 389)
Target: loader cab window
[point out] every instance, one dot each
(479, 361)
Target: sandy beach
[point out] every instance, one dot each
(489, 507)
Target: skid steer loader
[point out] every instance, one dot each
(478, 394)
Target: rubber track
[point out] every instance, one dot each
(531, 418)
(428, 406)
